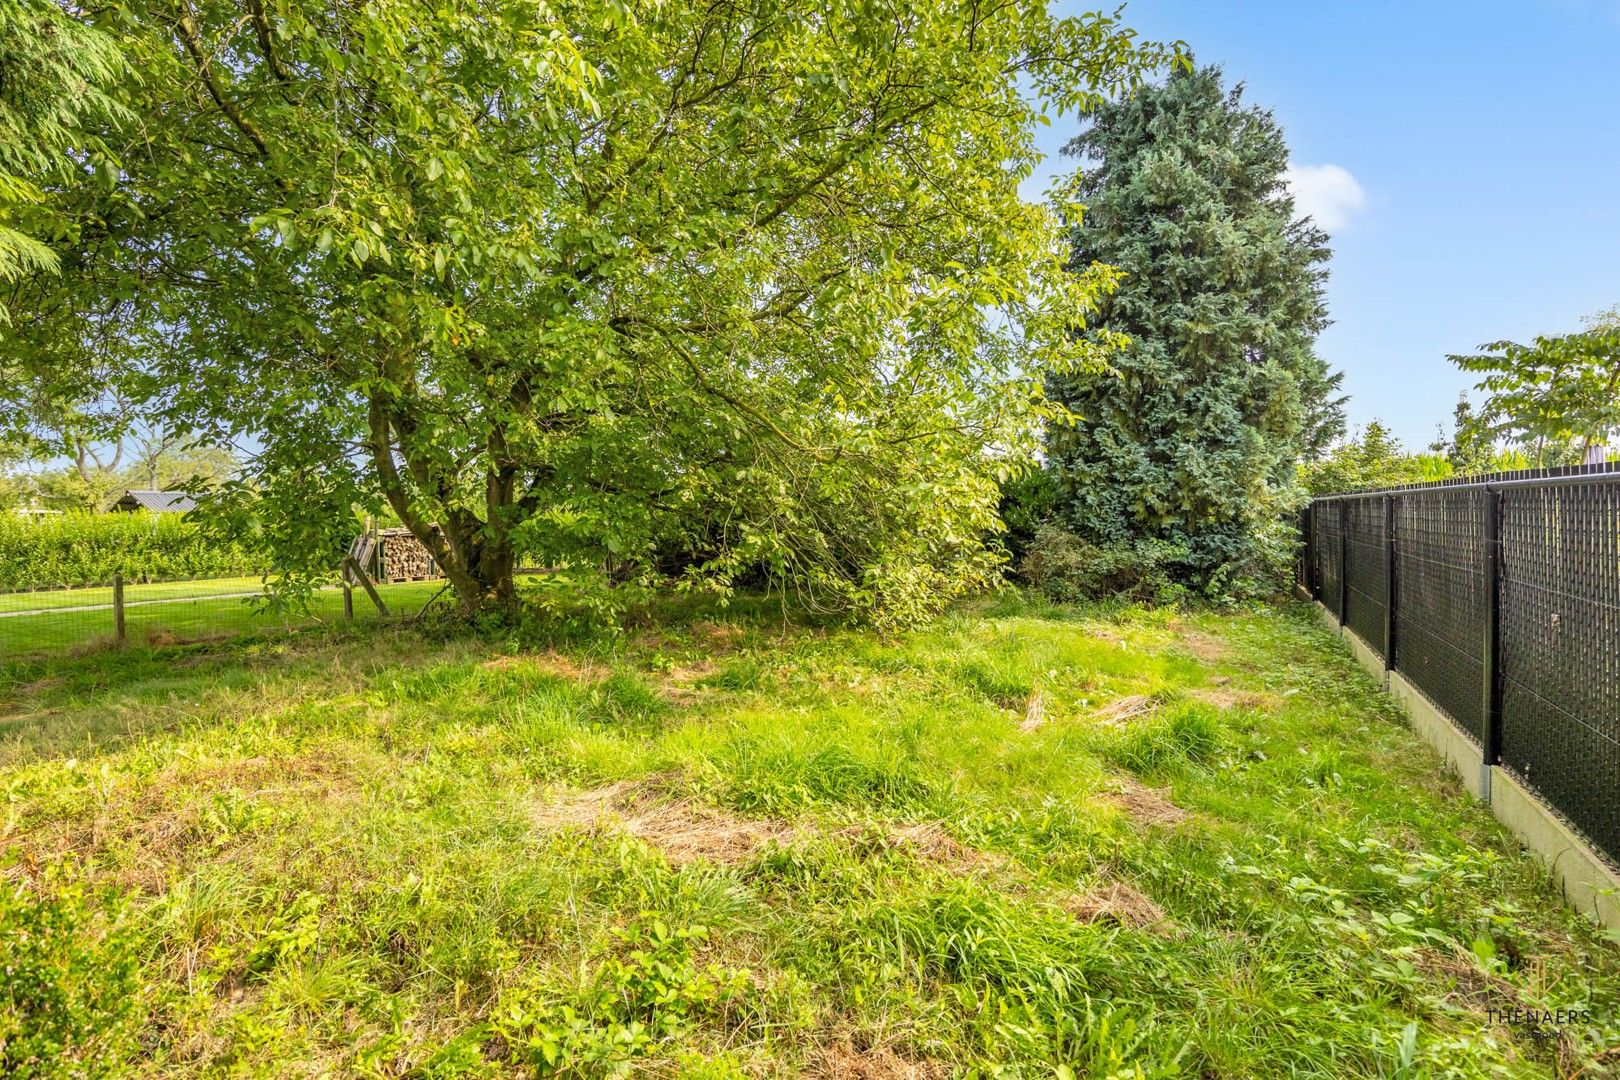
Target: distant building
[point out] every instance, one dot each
(157, 502)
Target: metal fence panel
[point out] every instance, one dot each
(1441, 607)
(1366, 571)
(1560, 650)
(1506, 602)
(1328, 554)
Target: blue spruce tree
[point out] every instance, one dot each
(1187, 456)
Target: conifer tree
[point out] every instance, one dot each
(1188, 454)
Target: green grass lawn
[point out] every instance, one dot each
(190, 610)
(134, 592)
(1025, 841)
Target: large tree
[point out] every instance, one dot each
(1190, 445)
(57, 82)
(734, 286)
(55, 73)
(1558, 397)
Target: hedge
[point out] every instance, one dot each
(86, 549)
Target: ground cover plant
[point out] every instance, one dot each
(1024, 840)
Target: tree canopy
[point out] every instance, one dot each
(58, 81)
(720, 290)
(1191, 447)
(1372, 459)
(1558, 396)
(55, 77)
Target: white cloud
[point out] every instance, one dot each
(1326, 193)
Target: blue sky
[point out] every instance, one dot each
(1484, 141)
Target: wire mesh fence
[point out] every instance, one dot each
(1328, 557)
(165, 612)
(1499, 599)
(1560, 649)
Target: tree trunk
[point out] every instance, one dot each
(475, 554)
(449, 549)
(495, 568)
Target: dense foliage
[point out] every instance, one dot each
(68, 997)
(1372, 459)
(727, 292)
(1557, 397)
(54, 76)
(1218, 392)
(86, 549)
(1069, 569)
(57, 75)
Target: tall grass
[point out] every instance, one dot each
(743, 850)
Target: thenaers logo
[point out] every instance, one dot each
(1541, 1022)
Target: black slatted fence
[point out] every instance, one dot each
(1499, 599)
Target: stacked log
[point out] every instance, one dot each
(404, 558)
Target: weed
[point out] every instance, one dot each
(70, 972)
(1190, 732)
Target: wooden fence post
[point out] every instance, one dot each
(359, 574)
(118, 605)
(348, 601)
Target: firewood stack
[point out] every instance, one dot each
(404, 558)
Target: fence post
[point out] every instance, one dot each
(1305, 550)
(1344, 560)
(1389, 583)
(348, 601)
(118, 605)
(1490, 654)
(358, 573)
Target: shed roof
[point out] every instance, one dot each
(159, 502)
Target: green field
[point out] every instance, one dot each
(134, 592)
(1022, 841)
(191, 610)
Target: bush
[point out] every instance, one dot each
(1066, 568)
(69, 982)
(86, 549)
(1028, 500)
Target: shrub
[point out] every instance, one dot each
(1067, 568)
(86, 549)
(69, 982)
(1028, 500)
